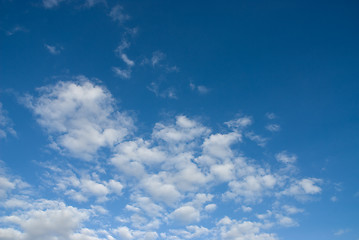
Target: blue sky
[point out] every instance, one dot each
(232, 120)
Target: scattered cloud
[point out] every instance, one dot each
(123, 73)
(15, 30)
(6, 125)
(200, 88)
(273, 127)
(341, 232)
(271, 116)
(53, 49)
(164, 179)
(286, 158)
(51, 3)
(118, 15)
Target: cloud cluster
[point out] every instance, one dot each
(168, 183)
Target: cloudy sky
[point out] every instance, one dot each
(235, 120)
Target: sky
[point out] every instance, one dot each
(144, 120)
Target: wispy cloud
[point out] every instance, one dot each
(341, 232)
(273, 127)
(201, 89)
(51, 3)
(118, 15)
(6, 125)
(123, 73)
(15, 30)
(53, 49)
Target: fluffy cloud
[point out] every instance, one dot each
(80, 117)
(176, 176)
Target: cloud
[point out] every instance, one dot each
(271, 116)
(51, 3)
(185, 215)
(129, 62)
(165, 183)
(246, 230)
(303, 188)
(53, 49)
(261, 141)
(200, 88)
(286, 157)
(341, 232)
(15, 30)
(123, 73)
(6, 125)
(118, 15)
(273, 127)
(80, 117)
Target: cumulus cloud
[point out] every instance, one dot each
(172, 178)
(80, 117)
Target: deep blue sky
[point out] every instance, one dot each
(290, 68)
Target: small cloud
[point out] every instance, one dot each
(15, 30)
(286, 157)
(334, 199)
(51, 3)
(261, 141)
(123, 73)
(246, 209)
(273, 127)
(129, 62)
(91, 3)
(157, 57)
(341, 232)
(167, 93)
(117, 14)
(53, 49)
(271, 116)
(200, 88)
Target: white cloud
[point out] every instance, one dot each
(123, 73)
(252, 188)
(80, 117)
(51, 3)
(286, 221)
(127, 60)
(185, 215)
(292, 210)
(246, 209)
(117, 14)
(261, 141)
(286, 158)
(240, 122)
(200, 88)
(6, 125)
(273, 127)
(48, 220)
(303, 188)
(341, 232)
(53, 49)
(15, 30)
(157, 57)
(271, 116)
(244, 230)
(160, 190)
(210, 207)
